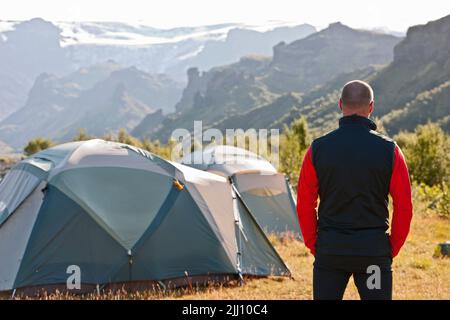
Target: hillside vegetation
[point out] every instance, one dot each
(260, 90)
(304, 78)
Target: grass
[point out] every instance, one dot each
(417, 274)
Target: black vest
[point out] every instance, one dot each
(354, 167)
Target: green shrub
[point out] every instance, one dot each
(436, 197)
(427, 152)
(37, 145)
(294, 142)
(82, 135)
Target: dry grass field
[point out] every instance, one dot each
(418, 274)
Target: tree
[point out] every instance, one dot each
(427, 152)
(294, 142)
(37, 145)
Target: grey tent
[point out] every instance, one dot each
(123, 216)
(266, 193)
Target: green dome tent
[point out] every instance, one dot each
(123, 217)
(266, 193)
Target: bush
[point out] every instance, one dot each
(37, 145)
(124, 137)
(427, 152)
(82, 135)
(293, 144)
(436, 197)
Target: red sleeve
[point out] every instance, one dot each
(307, 194)
(400, 190)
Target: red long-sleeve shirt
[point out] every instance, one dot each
(307, 194)
(400, 190)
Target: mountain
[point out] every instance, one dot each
(318, 106)
(26, 50)
(306, 63)
(387, 30)
(62, 47)
(100, 99)
(263, 116)
(257, 83)
(421, 62)
(432, 105)
(303, 77)
(416, 82)
(228, 87)
(226, 91)
(152, 121)
(412, 90)
(302, 64)
(240, 42)
(173, 51)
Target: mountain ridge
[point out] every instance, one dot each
(56, 49)
(110, 98)
(230, 91)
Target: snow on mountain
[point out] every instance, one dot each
(128, 34)
(29, 48)
(122, 34)
(7, 25)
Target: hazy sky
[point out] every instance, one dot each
(395, 14)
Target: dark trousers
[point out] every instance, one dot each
(372, 277)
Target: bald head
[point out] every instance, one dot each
(357, 96)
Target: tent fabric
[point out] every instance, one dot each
(194, 249)
(14, 189)
(257, 255)
(14, 235)
(64, 235)
(123, 215)
(99, 153)
(227, 160)
(59, 154)
(269, 197)
(264, 191)
(210, 196)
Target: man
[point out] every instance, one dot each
(352, 170)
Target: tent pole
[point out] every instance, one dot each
(239, 197)
(237, 223)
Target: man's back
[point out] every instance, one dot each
(353, 170)
(354, 167)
